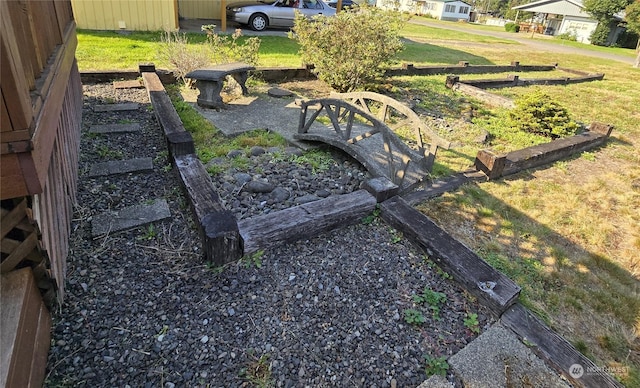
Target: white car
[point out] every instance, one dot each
(281, 13)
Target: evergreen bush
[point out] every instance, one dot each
(538, 113)
(351, 49)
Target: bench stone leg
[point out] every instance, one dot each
(209, 96)
(241, 79)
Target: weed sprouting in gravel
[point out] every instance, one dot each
(432, 299)
(436, 365)
(149, 234)
(371, 218)
(253, 260)
(471, 323)
(258, 371)
(414, 317)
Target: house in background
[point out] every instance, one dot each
(567, 17)
(452, 10)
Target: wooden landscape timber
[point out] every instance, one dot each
(464, 67)
(305, 221)
(515, 80)
(179, 141)
(494, 289)
(488, 98)
(476, 88)
(496, 166)
(555, 350)
(221, 240)
(280, 74)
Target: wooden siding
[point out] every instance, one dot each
(199, 9)
(138, 15)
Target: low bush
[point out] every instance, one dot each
(184, 58)
(538, 113)
(512, 27)
(569, 35)
(351, 49)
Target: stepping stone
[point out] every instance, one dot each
(116, 107)
(115, 128)
(121, 166)
(497, 357)
(279, 92)
(130, 217)
(131, 84)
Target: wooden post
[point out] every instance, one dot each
(223, 16)
(492, 165)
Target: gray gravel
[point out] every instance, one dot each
(142, 309)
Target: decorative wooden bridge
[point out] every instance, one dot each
(368, 127)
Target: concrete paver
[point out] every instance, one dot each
(121, 166)
(115, 128)
(130, 217)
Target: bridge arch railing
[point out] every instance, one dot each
(358, 123)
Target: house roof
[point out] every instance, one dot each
(561, 7)
(558, 7)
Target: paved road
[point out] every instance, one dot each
(537, 44)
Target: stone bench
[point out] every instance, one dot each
(210, 80)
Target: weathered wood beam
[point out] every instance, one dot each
(555, 350)
(221, 240)
(493, 288)
(496, 166)
(179, 141)
(304, 221)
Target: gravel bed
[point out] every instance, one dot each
(142, 309)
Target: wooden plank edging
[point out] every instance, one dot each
(496, 166)
(555, 350)
(305, 221)
(221, 240)
(493, 288)
(179, 141)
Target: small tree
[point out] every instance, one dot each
(352, 48)
(603, 11)
(538, 113)
(633, 24)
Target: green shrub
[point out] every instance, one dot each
(600, 36)
(538, 113)
(569, 35)
(351, 49)
(185, 57)
(512, 27)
